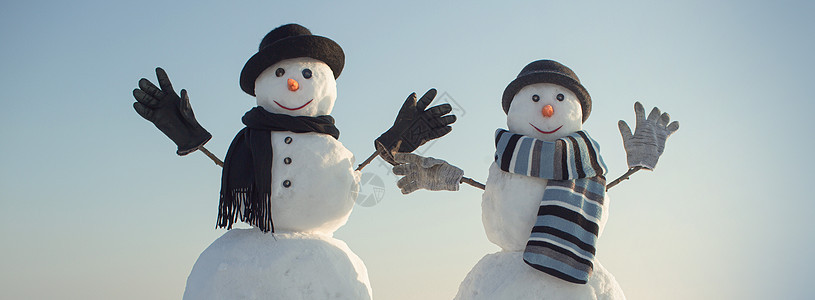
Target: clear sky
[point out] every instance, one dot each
(94, 203)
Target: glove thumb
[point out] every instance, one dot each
(410, 102)
(673, 127)
(186, 108)
(625, 131)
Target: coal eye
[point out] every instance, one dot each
(279, 72)
(306, 73)
(560, 97)
(536, 98)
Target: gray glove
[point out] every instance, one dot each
(425, 173)
(648, 142)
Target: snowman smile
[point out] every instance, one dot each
(289, 108)
(545, 132)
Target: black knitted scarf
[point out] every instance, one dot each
(246, 182)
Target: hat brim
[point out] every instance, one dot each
(313, 46)
(548, 77)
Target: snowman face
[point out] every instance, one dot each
(545, 111)
(298, 87)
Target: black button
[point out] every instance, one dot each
(287, 140)
(286, 183)
(287, 160)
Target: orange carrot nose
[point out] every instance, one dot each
(548, 111)
(293, 85)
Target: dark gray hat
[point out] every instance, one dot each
(290, 41)
(548, 71)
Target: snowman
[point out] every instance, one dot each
(285, 174)
(544, 202)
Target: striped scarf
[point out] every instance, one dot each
(562, 242)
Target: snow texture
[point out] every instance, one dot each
(504, 275)
(322, 184)
(250, 264)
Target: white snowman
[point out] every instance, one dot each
(546, 229)
(285, 173)
(312, 191)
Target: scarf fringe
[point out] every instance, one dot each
(248, 206)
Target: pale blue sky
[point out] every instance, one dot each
(94, 204)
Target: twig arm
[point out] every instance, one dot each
(623, 177)
(367, 160)
(212, 156)
(472, 182)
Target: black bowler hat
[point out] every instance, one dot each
(548, 71)
(290, 41)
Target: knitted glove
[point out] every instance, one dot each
(644, 147)
(170, 113)
(425, 173)
(415, 126)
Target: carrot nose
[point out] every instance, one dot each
(293, 85)
(547, 111)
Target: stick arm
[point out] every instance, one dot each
(472, 182)
(623, 177)
(367, 160)
(211, 156)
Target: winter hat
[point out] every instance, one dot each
(290, 41)
(548, 71)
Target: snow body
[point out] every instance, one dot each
(314, 186)
(509, 209)
(250, 264)
(322, 182)
(504, 275)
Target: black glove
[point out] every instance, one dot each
(415, 126)
(171, 114)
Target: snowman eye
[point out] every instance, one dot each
(560, 97)
(306, 73)
(536, 98)
(279, 72)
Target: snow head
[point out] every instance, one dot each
(294, 72)
(546, 101)
(545, 111)
(298, 87)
